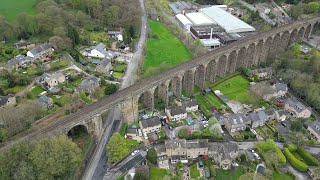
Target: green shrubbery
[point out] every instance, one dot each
(294, 161)
(267, 147)
(310, 160)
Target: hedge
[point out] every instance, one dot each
(310, 160)
(269, 145)
(294, 161)
(292, 147)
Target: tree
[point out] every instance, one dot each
(313, 7)
(110, 89)
(178, 168)
(152, 155)
(296, 11)
(116, 148)
(55, 157)
(3, 134)
(140, 176)
(296, 125)
(243, 158)
(60, 43)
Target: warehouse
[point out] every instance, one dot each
(210, 43)
(230, 23)
(198, 19)
(183, 21)
(204, 32)
(226, 38)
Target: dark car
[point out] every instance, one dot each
(284, 124)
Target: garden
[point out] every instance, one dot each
(194, 172)
(163, 50)
(158, 173)
(204, 106)
(270, 152)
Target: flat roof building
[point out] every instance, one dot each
(198, 19)
(230, 23)
(183, 21)
(203, 32)
(211, 43)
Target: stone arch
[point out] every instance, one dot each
(265, 50)
(222, 63)
(130, 108)
(200, 76)
(188, 82)
(316, 27)
(300, 34)
(293, 36)
(77, 130)
(285, 37)
(232, 62)
(258, 53)
(176, 86)
(162, 93)
(211, 71)
(250, 55)
(308, 32)
(241, 58)
(146, 100)
(274, 48)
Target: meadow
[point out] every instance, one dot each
(11, 8)
(164, 50)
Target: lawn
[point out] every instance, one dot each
(237, 88)
(117, 75)
(14, 90)
(119, 68)
(157, 173)
(59, 64)
(281, 176)
(164, 50)
(131, 143)
(37, 90)
(61, 100)
(85, 98)
(205, 106)
(213, 100)
(11, 8)
(123, 129)
(229, 174)
(194, 172)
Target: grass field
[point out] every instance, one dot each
(11, 8)
(213, 100)
(205, 107)
(157, 173)
(281, 176)
(237, 88)
(164, 50)
(194, 172)
(37, 90)
(229, 174)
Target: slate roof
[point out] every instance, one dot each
(57, 75)
(281, 112)
(235, 119)
(89, 82)
(131, 131)
(281, 87)
(150, 122)
(19, 59)
(44, 99)
(190, 103)
(198, 143)
(315, 126)
(269, 112)
(297, 105)
(262, 70)
(223, 148)
(101, 48)
(177, 110)
(175, 144)
(4, 100)
(104, 63)
(40, 48)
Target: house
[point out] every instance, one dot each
(104, 66)
(262, 73)
(40, 52)
(257, 119)
(45, 101)
(150, 125)
(163, 162)
(7, 100)
(196, 148)
(281, 89)
(297, 109)
(270, 113)
(52, 80)
(99, 51)
(190, 105)
(19, 61)
(116, 35)
(24, 45)
(314, 172)
(280, 115)
(236, 122)
(131, 133)
(90, 84)
(314, 130)
(223, 153)
(267, 92)
(176, 113)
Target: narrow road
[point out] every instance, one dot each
(131, 74)
(25, 90)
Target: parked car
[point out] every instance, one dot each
(284, 124)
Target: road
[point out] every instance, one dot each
(98, 167)
(131, 74)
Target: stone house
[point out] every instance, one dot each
(257, 119)
(7, 100)
(236, 122)
(104, 66)
(280, 115)
(24, 45)
(19, 62)
(150, 125)
(190, 105)
(163, 159)
(90, 84)
(297, 109)
(99, 51)
(41, 51)
(176, 113)
(223, 153)
(270, 113)
(262, 73)
(267, 92)
(314, 130)
(131, 132)
(45, 101)
(196, 148)
(52, 80)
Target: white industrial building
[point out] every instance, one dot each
(210, 43)
(198, 19)
(228, 22)
(183, 21)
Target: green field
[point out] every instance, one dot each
(164, 50)
(194, 172)
(281, 176)
(213, 100)
(237, 88)
(157, 173)
(11, 8)
(229, 174)
(37, 90)
(205, 106)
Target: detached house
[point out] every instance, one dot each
(314, 130)
(190, 105)
(104, 66)
(45, 101)
(19, 61)
(40, 52)
(263, 73)
(268, 92)
(90, 84)
(297, 109)
(257, 119)
(52, 80)
(24, 45)
(223, 153)
(236, 122)
(7, 100)
(150, 125)
(100, 51)
(176, 113)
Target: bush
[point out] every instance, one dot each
(292, 147)
(264, 149)
(310, 160)
(294, 161)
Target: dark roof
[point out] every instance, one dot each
(281, 87)
(269, 112)
(22, 43)
(44, 99)
(315, 126)
(3, 100)
(19, 59)
(105, 62)
(39, 49)
(227, 37)
(131, 131)
(262, 70)
(223, 148)
(177, 110)
(175, 144)
(160, 148)
(190, 103)
(238, 118)
(150, 122)
(199, 143)
(260, 169)
(297, 105)
(281, 112)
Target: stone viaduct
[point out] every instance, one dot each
(248, 52)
